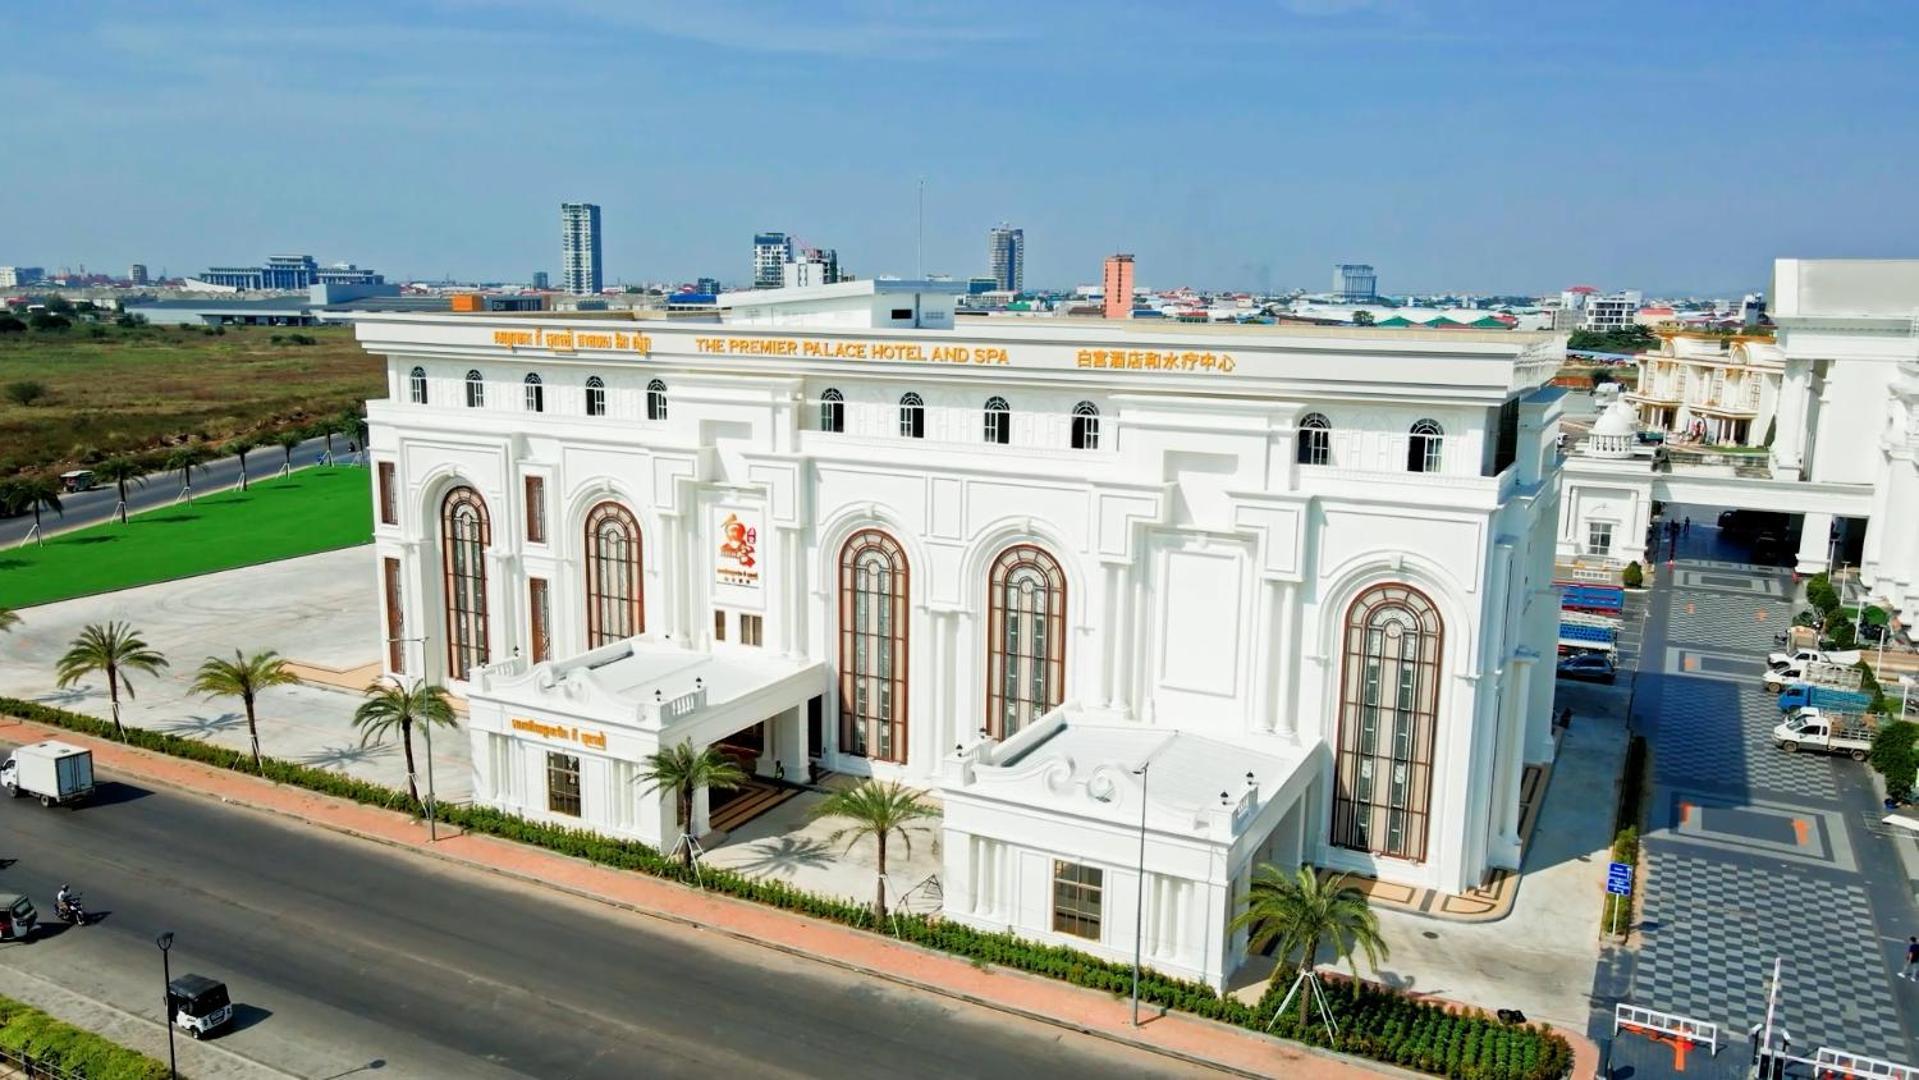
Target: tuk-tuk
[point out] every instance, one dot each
(72, 483)
(17, 918)
(198, 1005)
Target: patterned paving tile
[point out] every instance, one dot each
(1712, 732)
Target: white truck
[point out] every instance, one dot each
(1801, 657)
(1815, 673)
(1831, 733)
(57, 772)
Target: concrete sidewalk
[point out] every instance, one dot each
(1190, 1039)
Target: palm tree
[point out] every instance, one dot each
(121, 471)
(391, 706)
(240, 448)
(876, 810)
(33, 493)
(683, 771)
(9, 619)
(1300, 912)
(114, 649)
(184, 461)
(325, 429)
(289, 441)
(244, 677)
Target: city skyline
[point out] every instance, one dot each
(1438, 144)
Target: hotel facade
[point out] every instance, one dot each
(1223, 596)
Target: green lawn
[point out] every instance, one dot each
(317, 509)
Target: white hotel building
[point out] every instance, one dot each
(1266, 595)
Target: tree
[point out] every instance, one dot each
(324, 429)
(289, 441)
(1301, 912)
(121, 471)
(1894, 757)
(878, 810)
(683, 771)
(9, 619)
(1362, 318)
(25, 392)
(240, 448)
(184, 460)
(10, 324)
(44, 322)
(35, 493)
(392, 707)
(113, 649)
(244, 677)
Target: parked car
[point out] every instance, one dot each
(1588, 667)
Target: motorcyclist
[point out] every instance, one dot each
(63, 900)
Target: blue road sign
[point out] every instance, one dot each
(1619, 878)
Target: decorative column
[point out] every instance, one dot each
(1815, 545)
(1792, 416)
(1512, 757)
(504, 585)
(1109, 634)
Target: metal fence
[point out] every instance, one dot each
(24, 1065)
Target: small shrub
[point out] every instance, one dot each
(1894, 757)
(1632, 576)
(25, 392)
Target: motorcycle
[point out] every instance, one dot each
(70, 912)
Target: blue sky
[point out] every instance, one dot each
(1485, 147)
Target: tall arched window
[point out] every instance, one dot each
(873, 623)
(1315, 440)
(1424, 446)
(595, 396)
(614, 606)
(999, 421)
(832, 411)
(912, 417)
(656, 400)
(535, 394)
(1025, 639)
(1388, 713)
(465, 534)
(1086, 426)
(416, 385)
(475, 390)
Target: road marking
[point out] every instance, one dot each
(1685, 812)
(1759, 616)
(1803, 829)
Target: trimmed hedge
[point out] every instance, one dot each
(1374, 1022)
(47, 1041)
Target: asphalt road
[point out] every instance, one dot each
(341, 953)
(93, 507)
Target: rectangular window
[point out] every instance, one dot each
(719, 625)
(563, 784)
(902, 313)
(539, 604)
(389, 500)
(395, 616)
(749, 629)
(1599, 538)
(536, 510)
(815, 726)
(1076, 899)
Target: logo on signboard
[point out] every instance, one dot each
(738, 562)
(1619, 879)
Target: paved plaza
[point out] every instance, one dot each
(1752, 853)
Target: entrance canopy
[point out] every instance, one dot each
(654, 692)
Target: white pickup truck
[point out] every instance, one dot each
(1835, 733)
(1802, 657)
(1815, 672)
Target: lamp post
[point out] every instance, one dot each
(1139, 898)
(165, 941)
(1905, 693)
(432, 826)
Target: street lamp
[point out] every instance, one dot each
(165, 941)
(432, 826)
(1139, 898)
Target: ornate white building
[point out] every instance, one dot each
(1710, 389)
(1249, 594)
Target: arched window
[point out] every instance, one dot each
(656, 400)
(1388, 712)
(832, 411)
(1315, 440)
(465, 534)
(912, 417)
(475, 390)
(1086, 426)
(873, 617)
(416, 385)
(614, 605)
(1025, 639)
(595, 396)
(999, 421)
(1424, 446)
(535, 394)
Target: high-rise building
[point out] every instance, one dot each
(541, 280)
(707, 285)
(771, 252)
(15, 276)
(137, 273)
(812, 266)
(580, 248)
(1117, 285)
(1355, 283)
(1006, 253)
